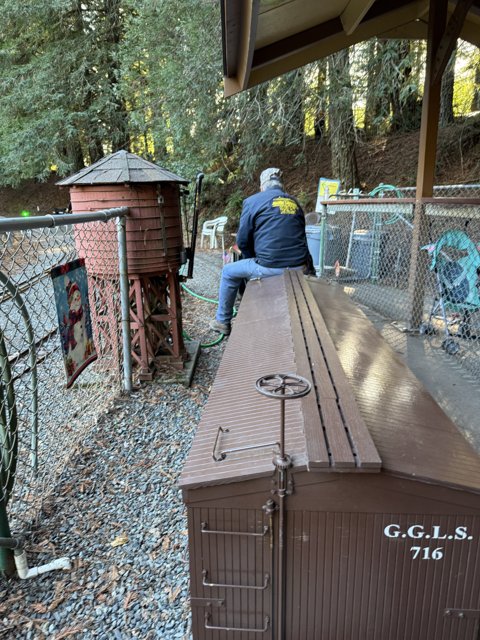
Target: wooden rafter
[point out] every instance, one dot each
(353, 14)
(449, 39)
(247, 16)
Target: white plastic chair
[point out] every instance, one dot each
(212, 228)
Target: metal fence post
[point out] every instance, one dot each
(323, 231)
(7, 563)
(125, 303)
(418, 267)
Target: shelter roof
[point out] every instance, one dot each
(263, 39)
(121, 167)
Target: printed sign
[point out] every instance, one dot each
(326, 189)
(73, 313)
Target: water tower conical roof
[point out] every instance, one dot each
(121, 167)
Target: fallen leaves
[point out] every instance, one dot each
(68, 632)
(165, 543)
(130, 597)
(120, 540)
(173, 593)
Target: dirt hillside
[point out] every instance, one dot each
(391, 160)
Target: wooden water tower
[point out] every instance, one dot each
(154, 252)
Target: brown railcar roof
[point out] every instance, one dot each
(414, 437)
(279, 329)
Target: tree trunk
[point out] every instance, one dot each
(290, 113)
(74, 155)
(476, 86)
(114, 35)
(341, 121)
(320, 117)
(376, 105)
(405, 105)
(446, 96)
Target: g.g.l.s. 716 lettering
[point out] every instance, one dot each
(420, 532)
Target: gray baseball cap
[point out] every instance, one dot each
(270, 175)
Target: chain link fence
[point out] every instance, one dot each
(435, 290)
(41, 421)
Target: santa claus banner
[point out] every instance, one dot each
(71, 297)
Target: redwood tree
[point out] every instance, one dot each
(341, 121)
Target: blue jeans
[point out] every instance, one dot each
(232, 276)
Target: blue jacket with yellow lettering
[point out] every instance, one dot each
(272, 230)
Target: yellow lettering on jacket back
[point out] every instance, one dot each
(285, 205)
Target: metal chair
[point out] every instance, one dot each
(212, 228)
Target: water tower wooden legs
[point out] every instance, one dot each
(156, 322)
(105, 314)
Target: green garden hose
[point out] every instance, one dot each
(206, 345)
(197, 295)
(379, 190)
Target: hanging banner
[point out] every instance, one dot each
(70, 287)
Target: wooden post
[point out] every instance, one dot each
(426, 161)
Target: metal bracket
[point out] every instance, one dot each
(205, 529)
(218, 456)
(206, 602)
(472, 614)
(208, 617)
(234, 586)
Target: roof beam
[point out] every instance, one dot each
(246, 13)
(449, 38)
(353, 14)
(275, 59)
(471, 32)
(301, 40)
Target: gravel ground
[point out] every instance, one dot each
(117, 513)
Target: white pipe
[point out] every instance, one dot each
(24, 572)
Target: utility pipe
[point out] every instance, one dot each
(24, 572)
(193, 239)
(7, 565)
(21, 564)
(125, 304)
(12, 543)
(57, 220)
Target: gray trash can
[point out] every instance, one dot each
(332, 244)
(367, 252)
(361, 252)
(314, 236)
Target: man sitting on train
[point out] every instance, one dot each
(271, 237)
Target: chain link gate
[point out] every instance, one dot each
(40, 420)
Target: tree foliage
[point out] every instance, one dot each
(82, 78)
